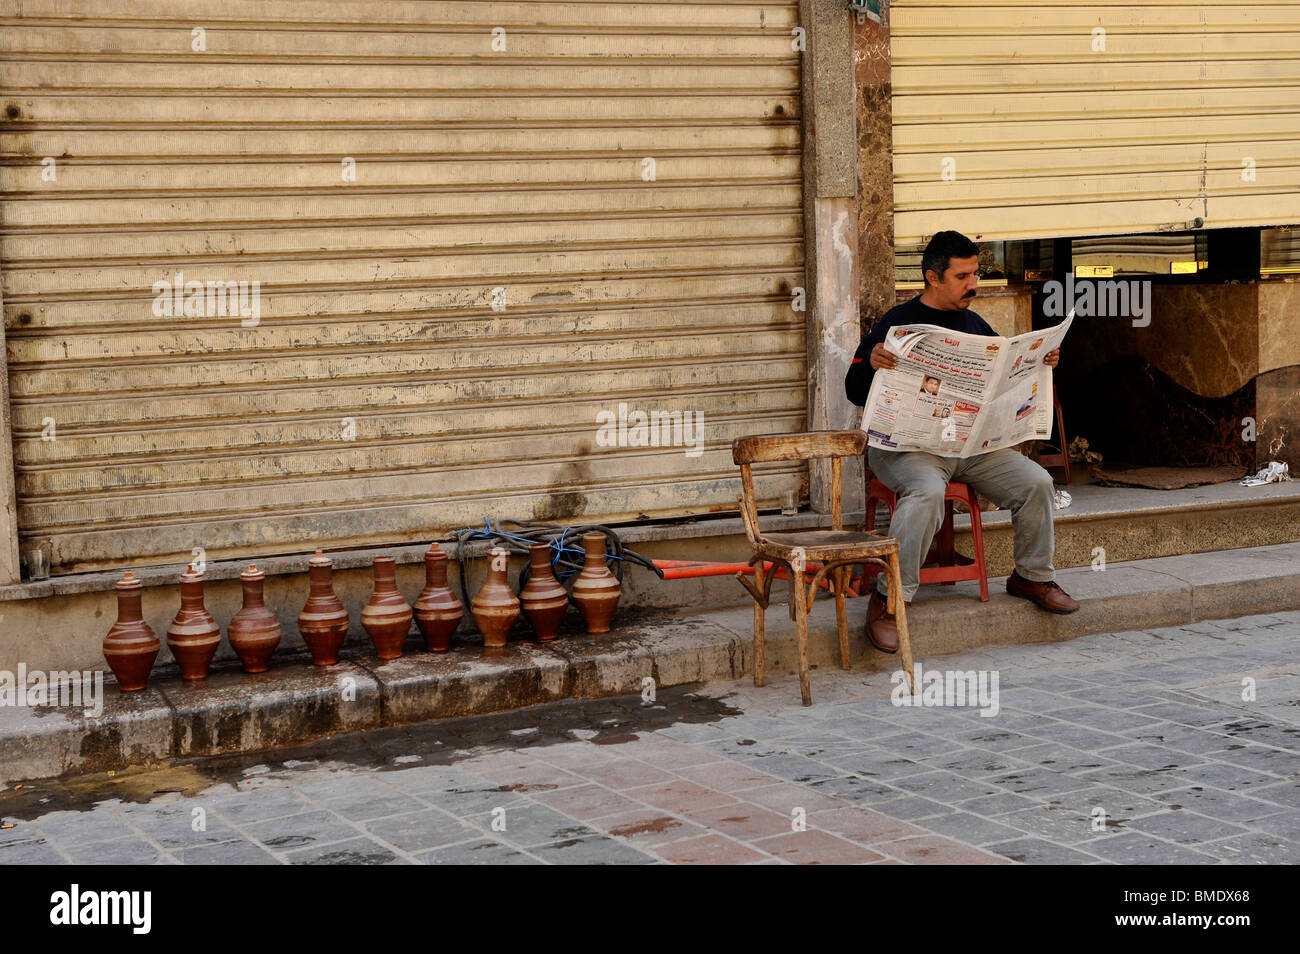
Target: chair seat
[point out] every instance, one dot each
(826, 545)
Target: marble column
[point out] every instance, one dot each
(875, 168)
(1277, 390)
(830, 200)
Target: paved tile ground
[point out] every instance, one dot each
(1127, 748)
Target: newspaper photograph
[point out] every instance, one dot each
(956, 395)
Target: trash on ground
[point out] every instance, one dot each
(1274, 473)
(1079, 453)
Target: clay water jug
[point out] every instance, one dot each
(437, 611)
(254, 631)
(131, 645)
(596, 590)
(543, 599)
(495, 606)
(387, 617)
(193, 636)
(323, 621)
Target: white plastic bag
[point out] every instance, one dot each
(1274, 473)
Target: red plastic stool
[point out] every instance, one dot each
(948, 570)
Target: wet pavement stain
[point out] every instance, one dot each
(653, 826)
(605, 721)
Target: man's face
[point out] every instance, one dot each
(931, 385)
(956, 288)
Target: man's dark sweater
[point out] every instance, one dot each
(857, 383)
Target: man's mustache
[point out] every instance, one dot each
(969, 294)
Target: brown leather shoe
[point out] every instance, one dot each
(882, 632)
(1047, 595)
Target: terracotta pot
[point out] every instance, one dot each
(193, 636)
(437, 611)
(323, 621)
(387, 617)
(543, 599)
(130, 646)
(254, 631)
(596, 590)
(495, 606)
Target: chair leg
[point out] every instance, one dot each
(841, 613)
(1060, 427)
(900, 620)
(977, 543)
(759, 649)
(799, 600)
(947, 549)
(893, 595)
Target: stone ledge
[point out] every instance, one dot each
(296, 702)
(296, 563)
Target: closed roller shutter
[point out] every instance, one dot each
(1049, 138)
(434, 340)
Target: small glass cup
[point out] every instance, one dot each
(789, 503)
(38, 567)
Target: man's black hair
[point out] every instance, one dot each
(945, 246)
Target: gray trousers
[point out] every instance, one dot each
(1005, 476)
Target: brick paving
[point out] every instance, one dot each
(1124, 748)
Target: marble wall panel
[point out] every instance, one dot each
(1278, 418)
(1279, 323)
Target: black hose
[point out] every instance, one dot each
(514, 536)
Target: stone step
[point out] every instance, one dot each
(1139, 524)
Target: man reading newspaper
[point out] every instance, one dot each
(948, 415)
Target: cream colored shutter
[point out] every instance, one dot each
(1008, 124)
(386, 392)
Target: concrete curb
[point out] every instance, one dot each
(296, 702)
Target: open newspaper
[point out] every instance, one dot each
(956, 394)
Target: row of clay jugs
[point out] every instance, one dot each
(131, 646)
(596, 589)
(386, 617)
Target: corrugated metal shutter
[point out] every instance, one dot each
(1049, 138)
(385, 390)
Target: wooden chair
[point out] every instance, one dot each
(832, 552)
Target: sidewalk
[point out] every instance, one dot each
(296, 702)
(1124, 748)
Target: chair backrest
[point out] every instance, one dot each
(806, 445)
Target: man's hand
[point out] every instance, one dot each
(1050, 360)
(883, 359)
